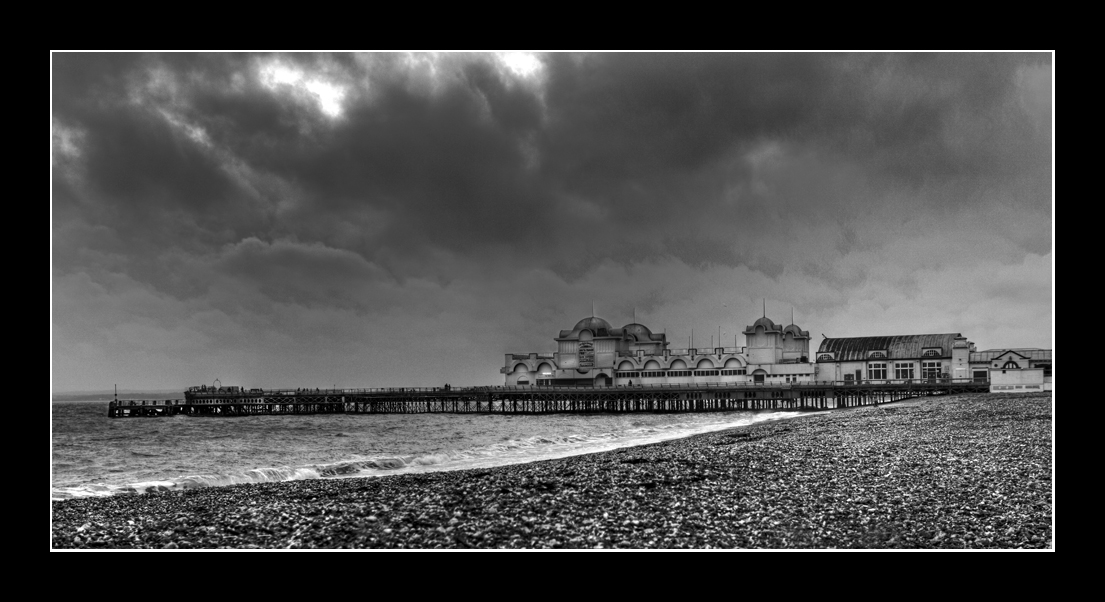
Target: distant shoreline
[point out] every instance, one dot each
(970, 471)
(122, 395)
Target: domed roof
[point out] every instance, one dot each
(640, 331)
(794, 329)
(765, 322)
(593, 324)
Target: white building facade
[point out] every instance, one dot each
(1022, 370)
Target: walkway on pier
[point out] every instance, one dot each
(543, 400)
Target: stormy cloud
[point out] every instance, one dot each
(405, 219)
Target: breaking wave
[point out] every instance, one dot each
(509, 450)
(424, 444)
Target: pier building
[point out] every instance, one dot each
(900, 357)
(594, 353)
(1021, 370)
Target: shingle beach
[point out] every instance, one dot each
(967, 471)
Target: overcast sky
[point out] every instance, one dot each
(406, 219)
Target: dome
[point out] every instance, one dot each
(639, 331)
(793, 329)
(766, 323)
(593, 324)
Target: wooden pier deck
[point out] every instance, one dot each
(542, 399)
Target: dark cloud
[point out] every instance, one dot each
(358, 183)
(649, 141)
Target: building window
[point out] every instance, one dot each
(876, 371)
(930, 369)
(1046, 367)
(878, 354)
(903, 370)
(825, 357)
(649, 374)
(931, 353)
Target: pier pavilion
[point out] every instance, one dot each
(899, 357)
(594, 353)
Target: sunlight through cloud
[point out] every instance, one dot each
(328, 95)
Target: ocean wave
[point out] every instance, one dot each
(257, 475)
(509, 450)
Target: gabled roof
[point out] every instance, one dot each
(1027, 353)
(896, 347)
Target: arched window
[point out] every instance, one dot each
(825, 357)
(1010, 365)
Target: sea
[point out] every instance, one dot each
(93, 455)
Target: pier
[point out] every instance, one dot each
(712, 397)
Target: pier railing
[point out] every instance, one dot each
(482, 389)
(523, 399)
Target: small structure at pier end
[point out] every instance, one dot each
(594, 353)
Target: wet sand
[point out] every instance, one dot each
(968, 471)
